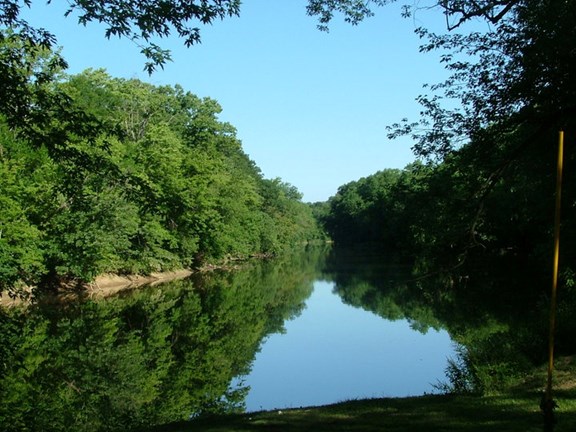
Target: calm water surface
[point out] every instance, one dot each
(298, 330)
(305, 329)
(334, 352)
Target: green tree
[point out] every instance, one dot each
(160, 184)
(515, 84)
(140, 22)
(489, 183)
(363, 211)
(21, 254)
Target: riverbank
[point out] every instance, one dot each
(516, 410)
(426, 413)
(103, 286)
(107, 285)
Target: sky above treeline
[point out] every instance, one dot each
(310, 107)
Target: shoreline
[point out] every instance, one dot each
(102, 286)
(514, 409)
(109, 284)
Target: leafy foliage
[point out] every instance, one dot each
(354, 11)
(516, 79)
(157, 182)
(489, 137)
(362, 211)
(140, 22)
(457, 12)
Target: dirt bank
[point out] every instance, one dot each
(103, 286)
(110, 284)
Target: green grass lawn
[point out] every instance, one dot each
(515, 410)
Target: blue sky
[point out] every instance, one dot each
(310, 107)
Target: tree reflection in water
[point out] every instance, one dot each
(496, 310)
(150, 357)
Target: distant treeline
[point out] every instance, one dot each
(474, 235)
(470, 206)
(99, 175)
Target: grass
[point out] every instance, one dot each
(515, 410)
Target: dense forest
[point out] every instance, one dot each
(472, 220)
(102, 174)
(487, 142)
(99, 174)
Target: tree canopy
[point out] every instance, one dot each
(489, 136)
(141, 21)
(153, 181)
(145, 22)
(456, 12)
(486, 133)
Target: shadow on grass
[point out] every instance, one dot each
(427, 413)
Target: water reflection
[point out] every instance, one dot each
(152, 357)
(335, 352)
(364, 328)
(494, 308)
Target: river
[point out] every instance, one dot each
(309, 328)
(334, 352)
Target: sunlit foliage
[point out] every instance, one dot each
(113, 175)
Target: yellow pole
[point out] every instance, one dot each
(555, 268)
